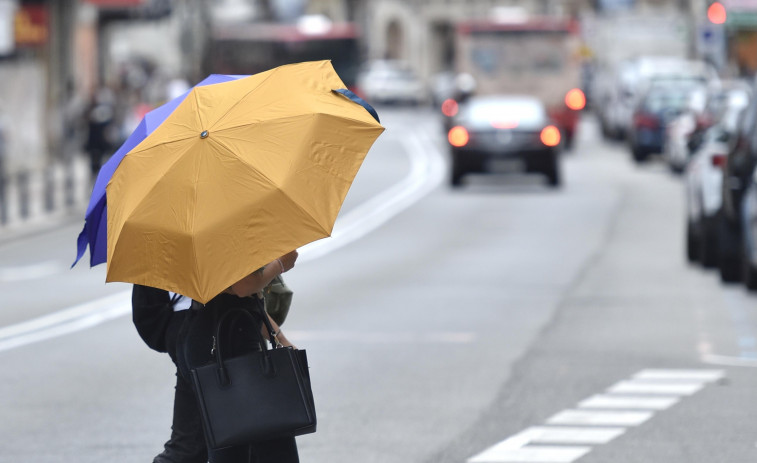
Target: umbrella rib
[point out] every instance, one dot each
(324, 229)
(198, 112)
(316, 113)
(239, 100)
(160, 144)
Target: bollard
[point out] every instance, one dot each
(69, 183)
(3, 178)
(3, 198)
(24, 196)
(49, 188)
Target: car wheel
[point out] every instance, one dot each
(569, 138)
(553, 175)
(750, 275)
(639, 154)
(692, 243)
(729, 258)
(708, 243)
(456, 172)
(675, 169)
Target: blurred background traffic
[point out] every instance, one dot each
(672, 79)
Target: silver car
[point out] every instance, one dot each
(388, 81)
(704, 177)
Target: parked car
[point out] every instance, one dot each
(704, 173)
(749, 233)
(663, 100)
(390, 81)
(489, 133)
(681, 129)
(619, 87)
(738, 170)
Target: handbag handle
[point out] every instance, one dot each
(268, 367)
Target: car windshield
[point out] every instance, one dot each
(508, 112)
(670, 97)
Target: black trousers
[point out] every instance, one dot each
(190, 339)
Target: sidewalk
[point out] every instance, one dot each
(43, 197)
(34, 190)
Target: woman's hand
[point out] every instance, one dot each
(259, 279)
(284, 341)
(287, 261)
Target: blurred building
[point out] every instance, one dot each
(421, 32)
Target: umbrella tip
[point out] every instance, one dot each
(204, 134)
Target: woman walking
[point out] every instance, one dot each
(189, 339)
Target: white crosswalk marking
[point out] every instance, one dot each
(628, 402)
(680, 375)
(571, 435)
(531, 454)
(646, 387)
(600, 418)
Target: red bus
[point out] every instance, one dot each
(537, 57)
(251, 48)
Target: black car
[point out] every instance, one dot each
(737, 173)
(662, 101)
(500, 133)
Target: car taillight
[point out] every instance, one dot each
(718, 160)
(449, 107)
(575, 99)
(550, 135)
(458, 136)
(646, 120)
(504, 123)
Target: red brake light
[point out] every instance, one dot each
(646, 120)
(550, 135)
(505, 123)
(575, 99)
(718, 160)
(458, 136)
(449, 107)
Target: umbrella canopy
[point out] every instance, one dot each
(94, 232)
(239, 174)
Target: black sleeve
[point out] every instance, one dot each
(152, 310)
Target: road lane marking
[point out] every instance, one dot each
(572, 435)
(65, 316)
(426, 173)
(67, 321)
(628, 403)
(515, 451)
(600, 418)
(645, 387)
(685, 375)
(31, 271)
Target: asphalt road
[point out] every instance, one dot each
(442, 323)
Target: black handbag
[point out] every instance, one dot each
(257, 396)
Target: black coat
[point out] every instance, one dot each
(152, 311)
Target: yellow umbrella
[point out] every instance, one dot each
(239, 174)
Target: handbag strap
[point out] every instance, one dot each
(233, 315)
